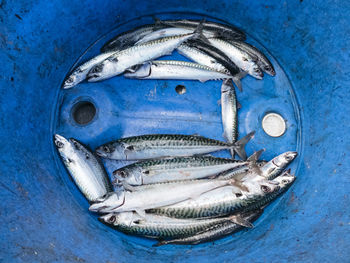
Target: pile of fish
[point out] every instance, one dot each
(218, 51)
(173, 190)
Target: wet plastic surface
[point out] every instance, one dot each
(45, 218)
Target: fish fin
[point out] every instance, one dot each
(129, 187)
(253, 161)
(255, 156)
(141, 213)
(198, 32)
(195, 134)
(160, 243)
(238, 184)
(240, 144)
(233, 153)
(238, 83)
(239, 105)
(239, 220)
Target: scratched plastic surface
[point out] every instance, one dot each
(45, 218)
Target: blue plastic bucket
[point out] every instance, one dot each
(45, 218)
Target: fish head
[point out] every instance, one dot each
(269, 69)
(65, 148)
(139, 71)
(107, 151)
(285, 180)
(115, 219)
(74, 79)
(107, 204)
(284, 159)
(131, 176)
(255, 71)
(110, 67)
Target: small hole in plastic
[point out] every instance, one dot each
(180, 89)
(83, 112)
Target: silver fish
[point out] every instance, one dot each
(153, 146)
(212, 233)
(227, 200)
(240, 57)
(170, 69)
(220, 30)
(200, 57)
(130, 37)
(124, 59)
(262, 61)
(155, 195)
(173, 169)
(229, 113)
(80, 73)
(274, 168)
(155, 226)
(86, 171)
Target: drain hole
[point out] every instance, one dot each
(180, 89)
(83, 112)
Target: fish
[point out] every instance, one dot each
(80, 73)
(153, 146)
(227, 200)
(214, 232)
(200, 57)
(130, 37)
(167, 32)
(229, 114)
(173, 169)
(241, 58)
(155, 195)
(172, 69)
(137, 54)
(84, 167)
(220, 30)
(155, 226)
(262, 61)
(276, 166)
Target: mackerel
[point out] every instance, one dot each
(155, 195)
(126, 58)
(220, 30)
(165, 145)
(155, 226)
(238, 56)
(226, 200)
(171, 69)
(85, 169)
(173, 169)
(229, 115)
(212, 233)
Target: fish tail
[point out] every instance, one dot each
(238, 146)
(198, 33)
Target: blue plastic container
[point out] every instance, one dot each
(46, 219)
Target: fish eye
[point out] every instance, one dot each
(265, 189)
(106, 149)
(112, 219)
(70, 80)
(122, 174)
(76, 144)
(59, 144)
(268, 68)
(238, 194)
(284, 181)
(257, 70)
(289, 158)
(97, 69)
(146, 172)
(87, 156)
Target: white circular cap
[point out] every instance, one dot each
(274, 124)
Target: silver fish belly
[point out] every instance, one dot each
(86, 171)
(229, 112)
(170, 69)
(134, 55)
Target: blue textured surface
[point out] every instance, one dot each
(45, 219)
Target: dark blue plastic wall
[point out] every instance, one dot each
(41, 220)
